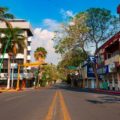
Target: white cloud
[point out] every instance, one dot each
(43, 38)
(66, 13)
(51, 25)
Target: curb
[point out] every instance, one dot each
(106, 91)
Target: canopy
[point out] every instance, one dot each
(71, 67)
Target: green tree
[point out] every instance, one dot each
(75, 38)
(16, 45)
(102, 25)
(4, 16)
(72, 58)
(93, 26)
(52, 73)
(40, 52)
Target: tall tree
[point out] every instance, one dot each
(40, 55)
(72, 58)
(16, 45)
(4, 16)
(102, 25)
(93, 26)
(76, 35)
(76, 38)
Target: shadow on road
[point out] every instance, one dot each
(100, 99)
(105, 99)
(75, 89)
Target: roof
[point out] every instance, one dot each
(109, 42)
(19, 23)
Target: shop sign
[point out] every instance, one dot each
(103, 70)
(90, 72)
(91, 59)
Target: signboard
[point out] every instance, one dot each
(91, 59)
(90, 72)
(103, 70)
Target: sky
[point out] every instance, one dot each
(46, 16)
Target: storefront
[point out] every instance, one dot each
(90, 77)
(111, 75)
(102, 72)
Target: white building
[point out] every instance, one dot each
(20, 58)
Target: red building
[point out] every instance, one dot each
(108, 62)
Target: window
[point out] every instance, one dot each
(28, 52)
(28, 43)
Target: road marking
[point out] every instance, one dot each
(64, 108)
(51, 108)
(15, 97)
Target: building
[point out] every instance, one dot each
(88, 73)
(108, 62)
(20, 57)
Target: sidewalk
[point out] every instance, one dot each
(105, 91)
(7, 90)
(23, 89)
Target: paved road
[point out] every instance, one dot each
(58, 103)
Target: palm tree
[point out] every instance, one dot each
(16, 45)
(4, 16)
(40, 55)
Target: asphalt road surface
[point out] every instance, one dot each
(58, 103)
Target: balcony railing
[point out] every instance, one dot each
(113, 59)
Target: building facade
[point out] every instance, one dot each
(20, 58)
(88, 73)
(108, 62)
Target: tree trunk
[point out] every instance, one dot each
(12, 74)
(9, 69)
(96, 75)
(83, 86)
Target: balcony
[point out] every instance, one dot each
(113, 59)
(20, 56)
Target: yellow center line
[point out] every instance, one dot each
(51, 108)
(64, 108)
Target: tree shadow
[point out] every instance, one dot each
(100, 99)
(81, 90)
(105, 99)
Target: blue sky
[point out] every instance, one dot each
(46, 16)
(37, 10)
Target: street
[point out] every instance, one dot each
(58, 103)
